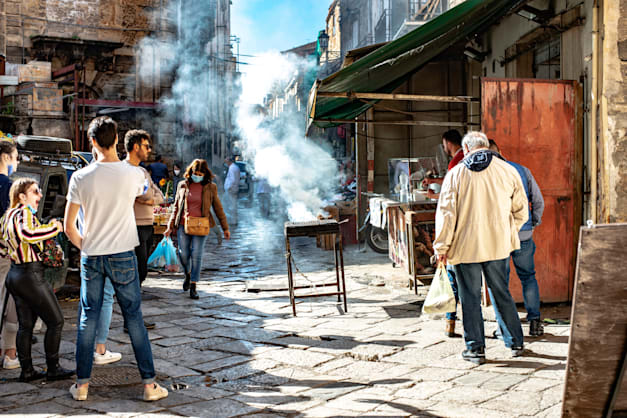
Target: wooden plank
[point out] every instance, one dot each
(395, 96)
(8, 80)
(401, 122)
(599, 332)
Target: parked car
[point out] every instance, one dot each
(51, 162)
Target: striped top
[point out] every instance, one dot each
(24, 234)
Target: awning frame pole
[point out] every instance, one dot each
(394, 96)
(400, 122)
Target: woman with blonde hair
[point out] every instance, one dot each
(33, 295)
(192, 219)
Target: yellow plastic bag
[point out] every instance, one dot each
(440, 298)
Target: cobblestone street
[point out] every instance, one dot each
(235, 352)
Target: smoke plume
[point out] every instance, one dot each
(303, 173)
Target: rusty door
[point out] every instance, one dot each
(538, 123)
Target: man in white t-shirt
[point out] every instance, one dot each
(106, 190)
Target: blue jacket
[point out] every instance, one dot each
(535, 199)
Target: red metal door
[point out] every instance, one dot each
(538, 123)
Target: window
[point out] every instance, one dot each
(546, 60)
(355, 34)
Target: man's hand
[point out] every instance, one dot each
(442, 258)
(150, 202)
(167, 233)
(432, 195)
(58, 224)
(227, 235)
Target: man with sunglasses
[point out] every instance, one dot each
(137, 144)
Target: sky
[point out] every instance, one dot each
(276, 25)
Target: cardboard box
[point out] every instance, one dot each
(34, 71)
(38, 101)
(47, 100)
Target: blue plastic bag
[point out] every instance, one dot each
(164, 256)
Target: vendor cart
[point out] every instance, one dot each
(411, 231)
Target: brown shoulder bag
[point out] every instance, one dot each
(195, 225)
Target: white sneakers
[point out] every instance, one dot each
(106, 358)
(151, 393)
(154, 392)
(10, 364)
(79, 394)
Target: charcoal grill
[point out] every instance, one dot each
(315, 229)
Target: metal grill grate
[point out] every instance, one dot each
(312, 228)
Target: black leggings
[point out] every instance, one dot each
(34, 298)
(142, 251)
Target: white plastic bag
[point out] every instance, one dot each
(440, 298)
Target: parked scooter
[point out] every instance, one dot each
(377, 238)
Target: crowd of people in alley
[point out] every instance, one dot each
(487, 210)
(109, 218)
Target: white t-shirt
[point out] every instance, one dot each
(106, 192)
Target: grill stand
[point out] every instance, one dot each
(293, 230)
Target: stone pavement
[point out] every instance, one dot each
(238, 353)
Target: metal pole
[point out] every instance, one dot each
(76, 134)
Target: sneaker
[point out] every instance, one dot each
(517, 351)
(10, 364)
(536, 329)
(79, 394)
(474, 356)
(154, 393)
(107, 357)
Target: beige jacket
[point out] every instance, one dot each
(144, 214)
(480, 213)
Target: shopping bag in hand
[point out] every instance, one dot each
(440, 298)
(158, 259)
(171, 258)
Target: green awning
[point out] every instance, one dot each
(388, 67)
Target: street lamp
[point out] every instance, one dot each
(323, 42)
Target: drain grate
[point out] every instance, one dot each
(115, 376)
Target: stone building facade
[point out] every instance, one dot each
(103, 38)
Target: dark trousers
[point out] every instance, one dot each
(34, 298)
(145, 233)
(469, 286)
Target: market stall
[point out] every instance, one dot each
(408, 214)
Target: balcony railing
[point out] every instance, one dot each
(424, 10)
(382, 28)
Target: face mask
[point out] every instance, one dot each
(11, 169)
(32, 209)
(197, 179)
(177, 172)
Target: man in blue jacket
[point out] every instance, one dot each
(523, 258)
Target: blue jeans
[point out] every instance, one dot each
(451, 277)
(104, 321)
(526, 270)
(469, 286)
(121, 269)
(190, 250)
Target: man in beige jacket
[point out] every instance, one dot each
(482, 207)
